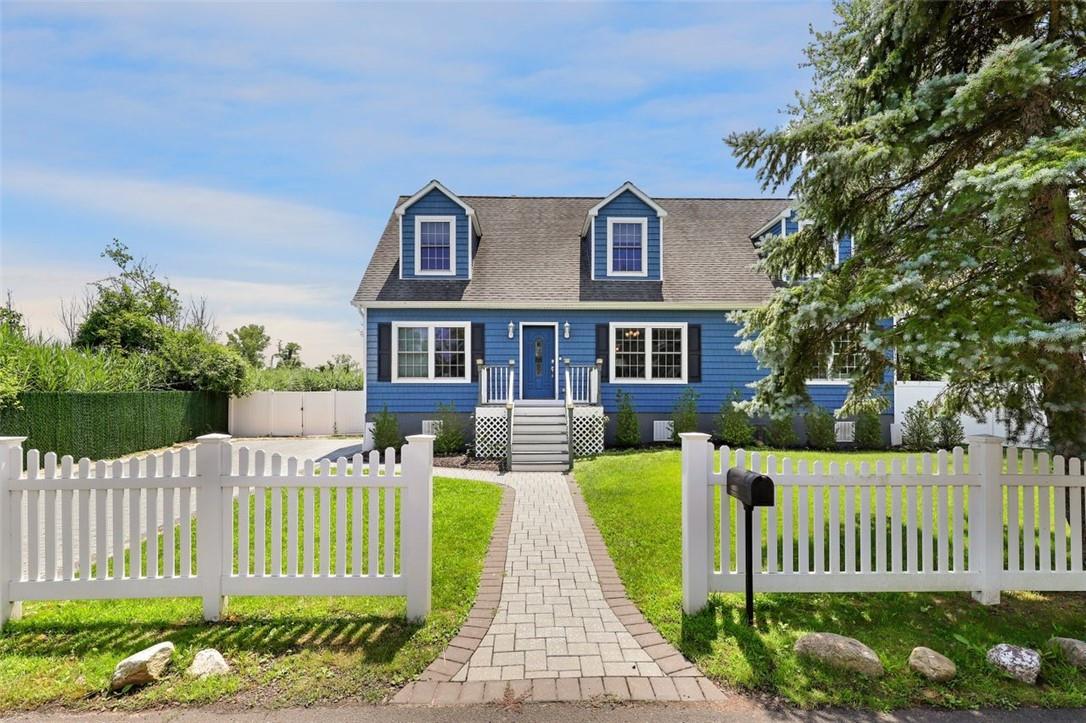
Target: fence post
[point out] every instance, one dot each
(697, 513)
(416, 531)
(11, 467)
(212, 466)
(986, 460)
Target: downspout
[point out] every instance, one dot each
(367, 442)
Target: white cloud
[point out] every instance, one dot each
(224, 214)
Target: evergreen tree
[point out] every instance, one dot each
(947, 138)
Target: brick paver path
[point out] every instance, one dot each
(556, 632)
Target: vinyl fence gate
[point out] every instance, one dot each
(927, 525)
(211, 523)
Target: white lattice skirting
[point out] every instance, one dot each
(491, 432)
(588, 424)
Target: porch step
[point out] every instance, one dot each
(540, 441)
(540, 467)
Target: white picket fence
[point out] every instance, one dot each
(195, 523)
(926, 525)
(297, 414)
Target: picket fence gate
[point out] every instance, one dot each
(214, 523)
(925, 525)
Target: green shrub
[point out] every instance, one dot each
(949, 430)
(450, 432)
(386, 431)
(868, 431)
(191, 361)
(684, 418)
(780, 433)
(627, 430)
(733, 426)
(918, 428)
(821, 432)
(301, 379)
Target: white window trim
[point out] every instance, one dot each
(648, 326)
(824, 382)
(419, 220)
(644, 223)
(430, 352)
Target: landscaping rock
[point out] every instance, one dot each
(208, 662)
(932, 665)
(144, 667)
(1073, 651)
(838, 651)
(1016, 662)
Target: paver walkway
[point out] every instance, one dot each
(556, 632)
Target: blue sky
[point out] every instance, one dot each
(254, 151)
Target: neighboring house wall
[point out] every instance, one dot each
(627, 205)
(723, 367)
(436, 203)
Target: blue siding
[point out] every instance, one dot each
(724, 368)
(436, 203)
(844, 249)
(629, 205)
(791, 225)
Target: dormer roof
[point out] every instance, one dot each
(402, 208)
(627, 186)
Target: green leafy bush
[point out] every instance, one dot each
(386, 431)
(191, 361)
(684, 417)
(450, 433)
(627, 430)
(733, 426)
(821, 433)
(949, 430)
(780, 433)
(918, 429)
(868, 431)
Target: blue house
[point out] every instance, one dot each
(531, 313)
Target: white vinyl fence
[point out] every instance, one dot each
(265, 526)
(926, 525)
(907, 394)
(297, 414)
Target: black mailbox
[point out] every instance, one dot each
(753, 490)
(750, 488)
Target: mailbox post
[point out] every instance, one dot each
(753, 490)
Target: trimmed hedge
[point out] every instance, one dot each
(111, 424)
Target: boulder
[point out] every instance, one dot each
(1073, 651)
(208, 662)
(1016, 662)
(144, 667)
(838, 651)
(932, 665)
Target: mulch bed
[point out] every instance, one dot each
(463, 461)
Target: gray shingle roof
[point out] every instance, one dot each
(531, 254)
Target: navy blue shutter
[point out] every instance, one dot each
(693, 353)
(384, 351)
(603, 342)
(478, 348)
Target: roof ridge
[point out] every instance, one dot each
(660, 198)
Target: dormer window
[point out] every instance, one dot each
(435, 245)
(627, 246)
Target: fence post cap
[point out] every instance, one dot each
(984, 439)
(11, 441)
(215, 437)
(420, 438)
(694, 436)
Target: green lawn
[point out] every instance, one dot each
(285, 651)
(635, 500)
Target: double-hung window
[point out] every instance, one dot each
(431, 351)
(843, 363)
(648, 353)
(627, 246)
(435, 245)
